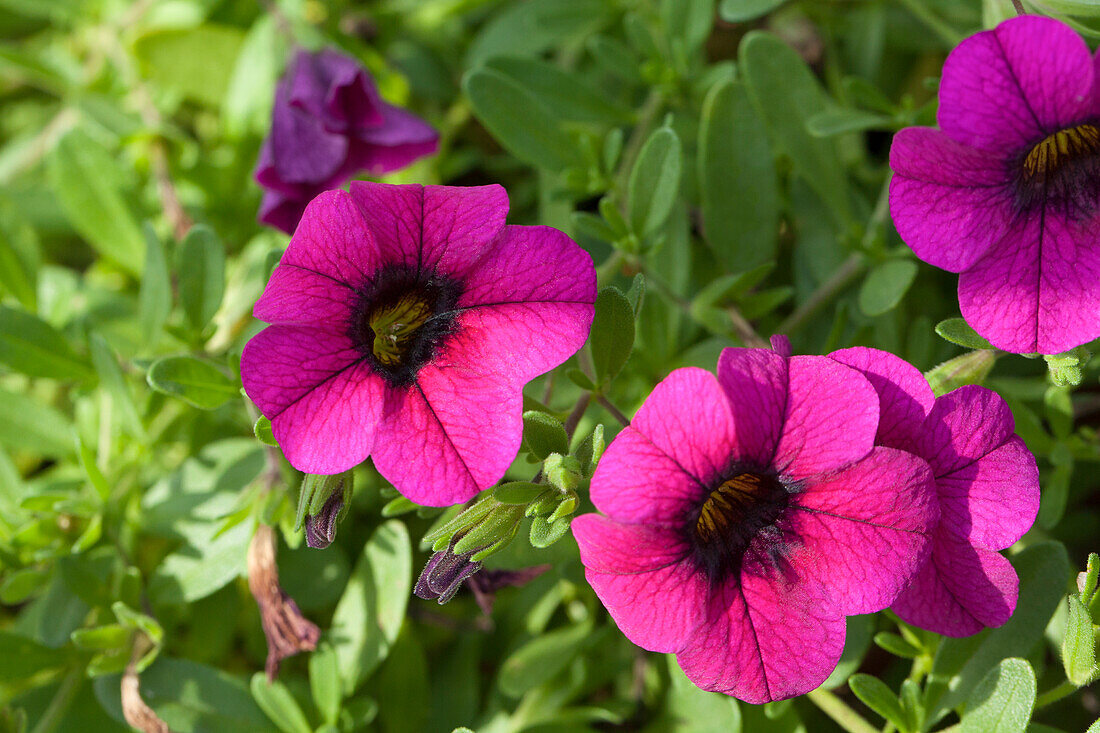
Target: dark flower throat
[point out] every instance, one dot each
(1061, 171)
(738, 510)
(400, 320)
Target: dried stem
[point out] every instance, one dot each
(134, 708)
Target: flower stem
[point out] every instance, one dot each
(949, 35)
(646, 116)
(575, 416)
(839, 711)
(59, 704)
(841, 279)
(1019, 5)
(1054, 695)
(615, 411)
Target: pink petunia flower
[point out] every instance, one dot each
(1007, 191)
(746, 515)
(988, 488)
(406, 321)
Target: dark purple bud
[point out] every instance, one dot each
(486, 583)
(444, 575)
(321, 527)
(327, 123)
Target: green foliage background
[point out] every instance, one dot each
(731, 153)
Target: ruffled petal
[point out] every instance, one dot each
(867, 528)
(755, 383)
(643, 578)
(445, 228)
(1007, 88)
(323, 401)
(831, 418)
(1034, 292)
(950, 203)
(903, 393)
(765, 639)
(960, 590)
(657, 470)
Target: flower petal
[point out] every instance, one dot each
(992, 502)
(949, 202)
(867, 528)
(305, 297)
(441, 227)
(903, 393)
(960, 590)
(831, 417)
(641, 576)
(322, 399)
(1034, 291)
(333, 242)
(529, 300)
(755, 383)
(1008, 88)
(656, 470)
(452, 433)
(764, 639)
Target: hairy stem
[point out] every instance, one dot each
(1054, 695)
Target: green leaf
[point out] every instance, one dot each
(874, 693)
(958, 331)
(195, 63)
(836, 121)
(24, 658)
(518, 492)
(197, 383)
(545, 532)
(369, 614)
(324, 682)
(697, 711)
(857, 640)
(201, 275)
(201, 567)
(251, 87)
(112, 381)
(19, 257)
(896, 645)
(543, 434)
(612, 337)
(529, 28)
(131, 619)
(885, 286)
(21, 584)
(737, 180)
(155, 295)
(1095, 727)
(279, 705)
(1043, 569)
(690, 21)
(1079, 643)
(787, 95)
(522, 124)
(541, 658)
(567, 94)
(404, 677)
(738, 11)
(1003, 701)
(263, 433)
(27, 424)
(101, 638)
(654, 181)
(33, 347)
(88, 182)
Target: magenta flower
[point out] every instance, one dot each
(988, 488)
(406, 321)
(747, 515)
(1007, 191)
(328, 123)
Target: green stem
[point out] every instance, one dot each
(60, 703)
(836, 284)
(615, 411)
(646, 115)
(1052, 696)
(949, 35)
(839, 711)
(575, 416)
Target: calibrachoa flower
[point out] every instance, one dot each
(1007, 191)
(407, 320)
(328, 123)
(747, 515)
(988, 488)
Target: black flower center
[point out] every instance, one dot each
(401, 319)
(736, 512)
(1062, 170)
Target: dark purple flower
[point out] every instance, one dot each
(328, 123)
(445, 573)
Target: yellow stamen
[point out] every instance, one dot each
(395, 325)
(1062, 147)
(728, 503)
